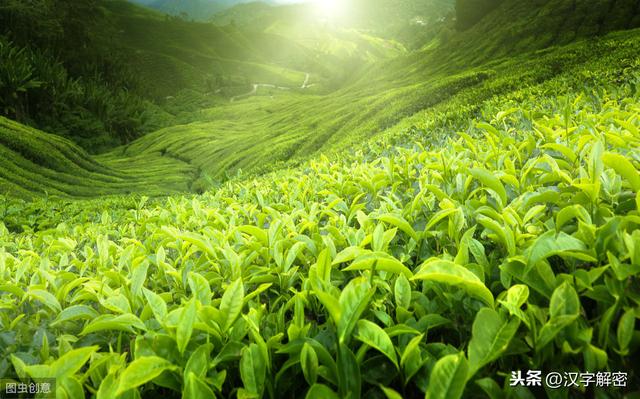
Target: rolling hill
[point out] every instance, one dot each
(36, 163)
(144, 69)
(258, 133)
(410, 22)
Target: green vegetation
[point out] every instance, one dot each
(136, 61)
(405, 223)
(35, 163)
(469, 12)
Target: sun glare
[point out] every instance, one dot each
(329, 7)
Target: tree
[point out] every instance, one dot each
(16, 80)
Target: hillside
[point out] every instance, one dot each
(35, 163)
(259, 132)
(138, 61)
(193, 9)
(412, 23)
(518, 26)
(369, 254)
(349, 211)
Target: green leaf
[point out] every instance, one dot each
(75, 312)
(124, 322)
(402, 292)
(349, 376)
(462, 257)
(490, 388)
(353, 301)
(411, 359)
(157, 305)
(624, 168)
(323, 266)
(439, 216)
(321, 391)
(550, 244)
(564, 309)
(448, 378)
(516, 296)
(490, 180)
(108, 387)
(490, 338)
(71, 362)
(626, 327)
(348, 254)
(502, 231)
(138, 277)
(69, 387)
(390, 393)
(572, 212)
(401, 223)
(232, 302)
(253, 369)
(185, 326)
(449, 273)
(198, 362)
(382, 260)
(19, 366)
(564, 301)
(309, 363)
(230, 352)
(374, 336)
(195, 387)
(256, 232)
(200, 288)
(141, 371)
(331, 304)
(46, 298)
(377, 240)
(292, 254)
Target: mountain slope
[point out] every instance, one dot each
(522, 230)
(408, 21)
(199, 10)
(135, 58)
(34, 163)
(516, 26)
(262, 131)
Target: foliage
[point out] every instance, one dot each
(43, 83)
(16, 80)
(401, 275)
(469, 12)
(486, 222)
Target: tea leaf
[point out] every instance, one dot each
(490, 338)
(448, 378)
(141, 371)
(447, 272)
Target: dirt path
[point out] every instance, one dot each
(306, 82)
(256, 86)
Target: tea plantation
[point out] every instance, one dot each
(407, 238)
(433, 268)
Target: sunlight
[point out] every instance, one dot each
(329, 8)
